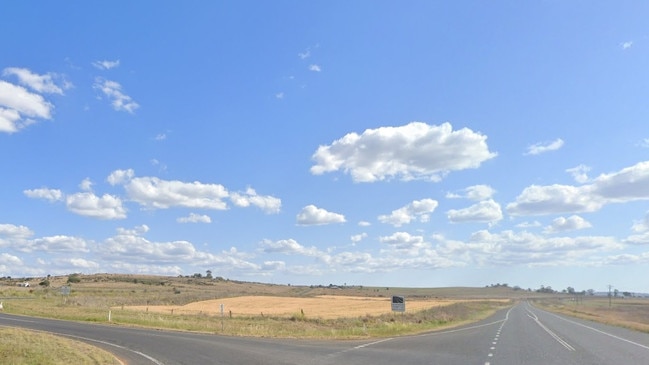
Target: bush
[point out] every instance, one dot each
(74, 278)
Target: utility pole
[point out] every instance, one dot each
(610, 296)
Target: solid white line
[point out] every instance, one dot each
(602, 332)
(535, 318)
(373, 343)
(153, 360)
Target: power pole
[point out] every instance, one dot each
(610, 296)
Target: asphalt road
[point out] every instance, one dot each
(522, 334)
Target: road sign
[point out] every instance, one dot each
(398, 303)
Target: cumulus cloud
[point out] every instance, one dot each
(39, 83)
(130, 249)
(105, 64)
(86, 184)
(358, 237)
(113, 91)
(641, 225)
(155, 193)
(315, 68)
(290, 247)
(312, 215)
(195, 218)
(485, 211)
(563, 224)
(13, 232)
(91, 205)
(413, 151)
(475, 192)
(527, 224)
(404, 241)
(20, 107)
(51, 195)
(626, 185)
(579, 173)
(626, 45)
(540, 148)
(268, 204)
(417, 210)
(524, 248)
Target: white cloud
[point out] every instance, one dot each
(418, 209)
(18, 107)
(312, 215)
(475, 192)
(358, 237)
(571, 223)
(414, 151)
(153, 192)
(7, 260)
(642, 225)
(57, 244)
(119, 177)
(626, 45)
(526, 224)
(195, 218)
(91, 205)
(555, 199)
(13, 232)
(105, 64)
(540, 148)
(113, 91)
(161, 137)
(524, 248)
(304, 55)
(39, 83)
(86, 184)
(290, 247)
(579, 173)
(485, 211)
(315, 68)
(364, 224)
(51, 195)
(130, 249)
(404, 241)
(279, 95)
(268, 204)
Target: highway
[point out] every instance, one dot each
(522, 334)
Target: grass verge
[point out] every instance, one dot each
(23, 347)
(632, 313)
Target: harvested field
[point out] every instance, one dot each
(325, 306)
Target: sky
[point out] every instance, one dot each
(376, 143)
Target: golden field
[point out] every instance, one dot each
(322, 306)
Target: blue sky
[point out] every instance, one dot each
(370, 143)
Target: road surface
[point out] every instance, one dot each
(521, 334)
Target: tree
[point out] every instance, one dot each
(208, 274)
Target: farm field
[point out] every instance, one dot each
(322, 306)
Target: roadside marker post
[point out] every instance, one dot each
(222, 307)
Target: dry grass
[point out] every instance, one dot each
(631, 313)
(322, 306)
(257, 309)
(22, 347)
